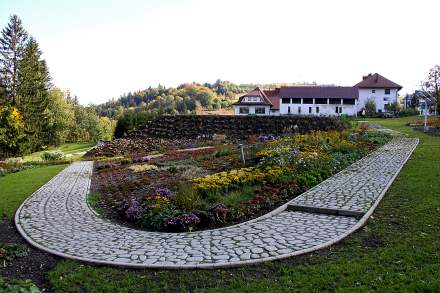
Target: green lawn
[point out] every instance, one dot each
(399, 249)
(71, 150)
(16, 187)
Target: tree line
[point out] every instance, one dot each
(33, 113)
(187, 98)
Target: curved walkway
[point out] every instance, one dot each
(57, 219)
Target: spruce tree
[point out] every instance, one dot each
(12, 43)
(33, 95)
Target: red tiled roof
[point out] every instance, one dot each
(257, 92)
(319, 92)
(377, 81)
(274, 97)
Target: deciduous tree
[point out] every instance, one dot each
(11, 131)
(433, 85)
(370, 107)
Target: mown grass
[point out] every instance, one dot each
(71, 150)
(398, 250)
(16, 187)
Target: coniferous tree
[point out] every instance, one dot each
(12, 43)
(33, 95)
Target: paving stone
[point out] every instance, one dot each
(58, 217)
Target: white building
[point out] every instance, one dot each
(379, 89)
(319, 100)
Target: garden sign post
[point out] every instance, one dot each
(242, 153)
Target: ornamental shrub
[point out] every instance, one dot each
(52, 156)
(9, 252)
(25, 286)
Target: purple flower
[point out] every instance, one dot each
(181, 223)
(263, 138)
(220, 209)
(141, 159)
(172, 222)
(164, 192)
(189, 220)
(134, 209)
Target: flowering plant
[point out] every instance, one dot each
(134, 209)
(236, 177)
(141, 159)
(220, 211)
(163, 192)
(186, 222)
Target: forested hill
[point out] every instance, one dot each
(185, 99)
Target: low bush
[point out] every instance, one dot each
(11, 163)
(143, 167)
(18, 286)
(9, 252)
(52, 156)
(187, 198)
(409, 112)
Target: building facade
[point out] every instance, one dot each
(320, 100)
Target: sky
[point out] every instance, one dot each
(101, 49)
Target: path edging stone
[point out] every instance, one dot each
(357, 226)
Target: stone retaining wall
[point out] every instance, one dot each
(235, 126)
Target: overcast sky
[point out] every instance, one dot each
(106, 48)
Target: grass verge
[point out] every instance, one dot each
(398, 250)
(16, 187)
(71, 150)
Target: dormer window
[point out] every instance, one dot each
(253, 99)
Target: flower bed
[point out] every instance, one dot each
(206, 188)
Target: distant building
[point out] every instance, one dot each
(319, 100)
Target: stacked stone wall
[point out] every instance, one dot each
(194, 126)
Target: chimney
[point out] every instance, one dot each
(376, 77)
(366, 76)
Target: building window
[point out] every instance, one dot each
(317, 110)
(253, 99)
(321, 101)
(288, 110)
(387, 91)
(373, 91)
(338, 110)
(244, 110)
(299, 110)
(285, 100)
(349, 101)
(307, 101)
(335, 101)
(296, 101)
(260, 110)
(310, 110)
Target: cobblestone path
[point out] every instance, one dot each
(57, 219)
